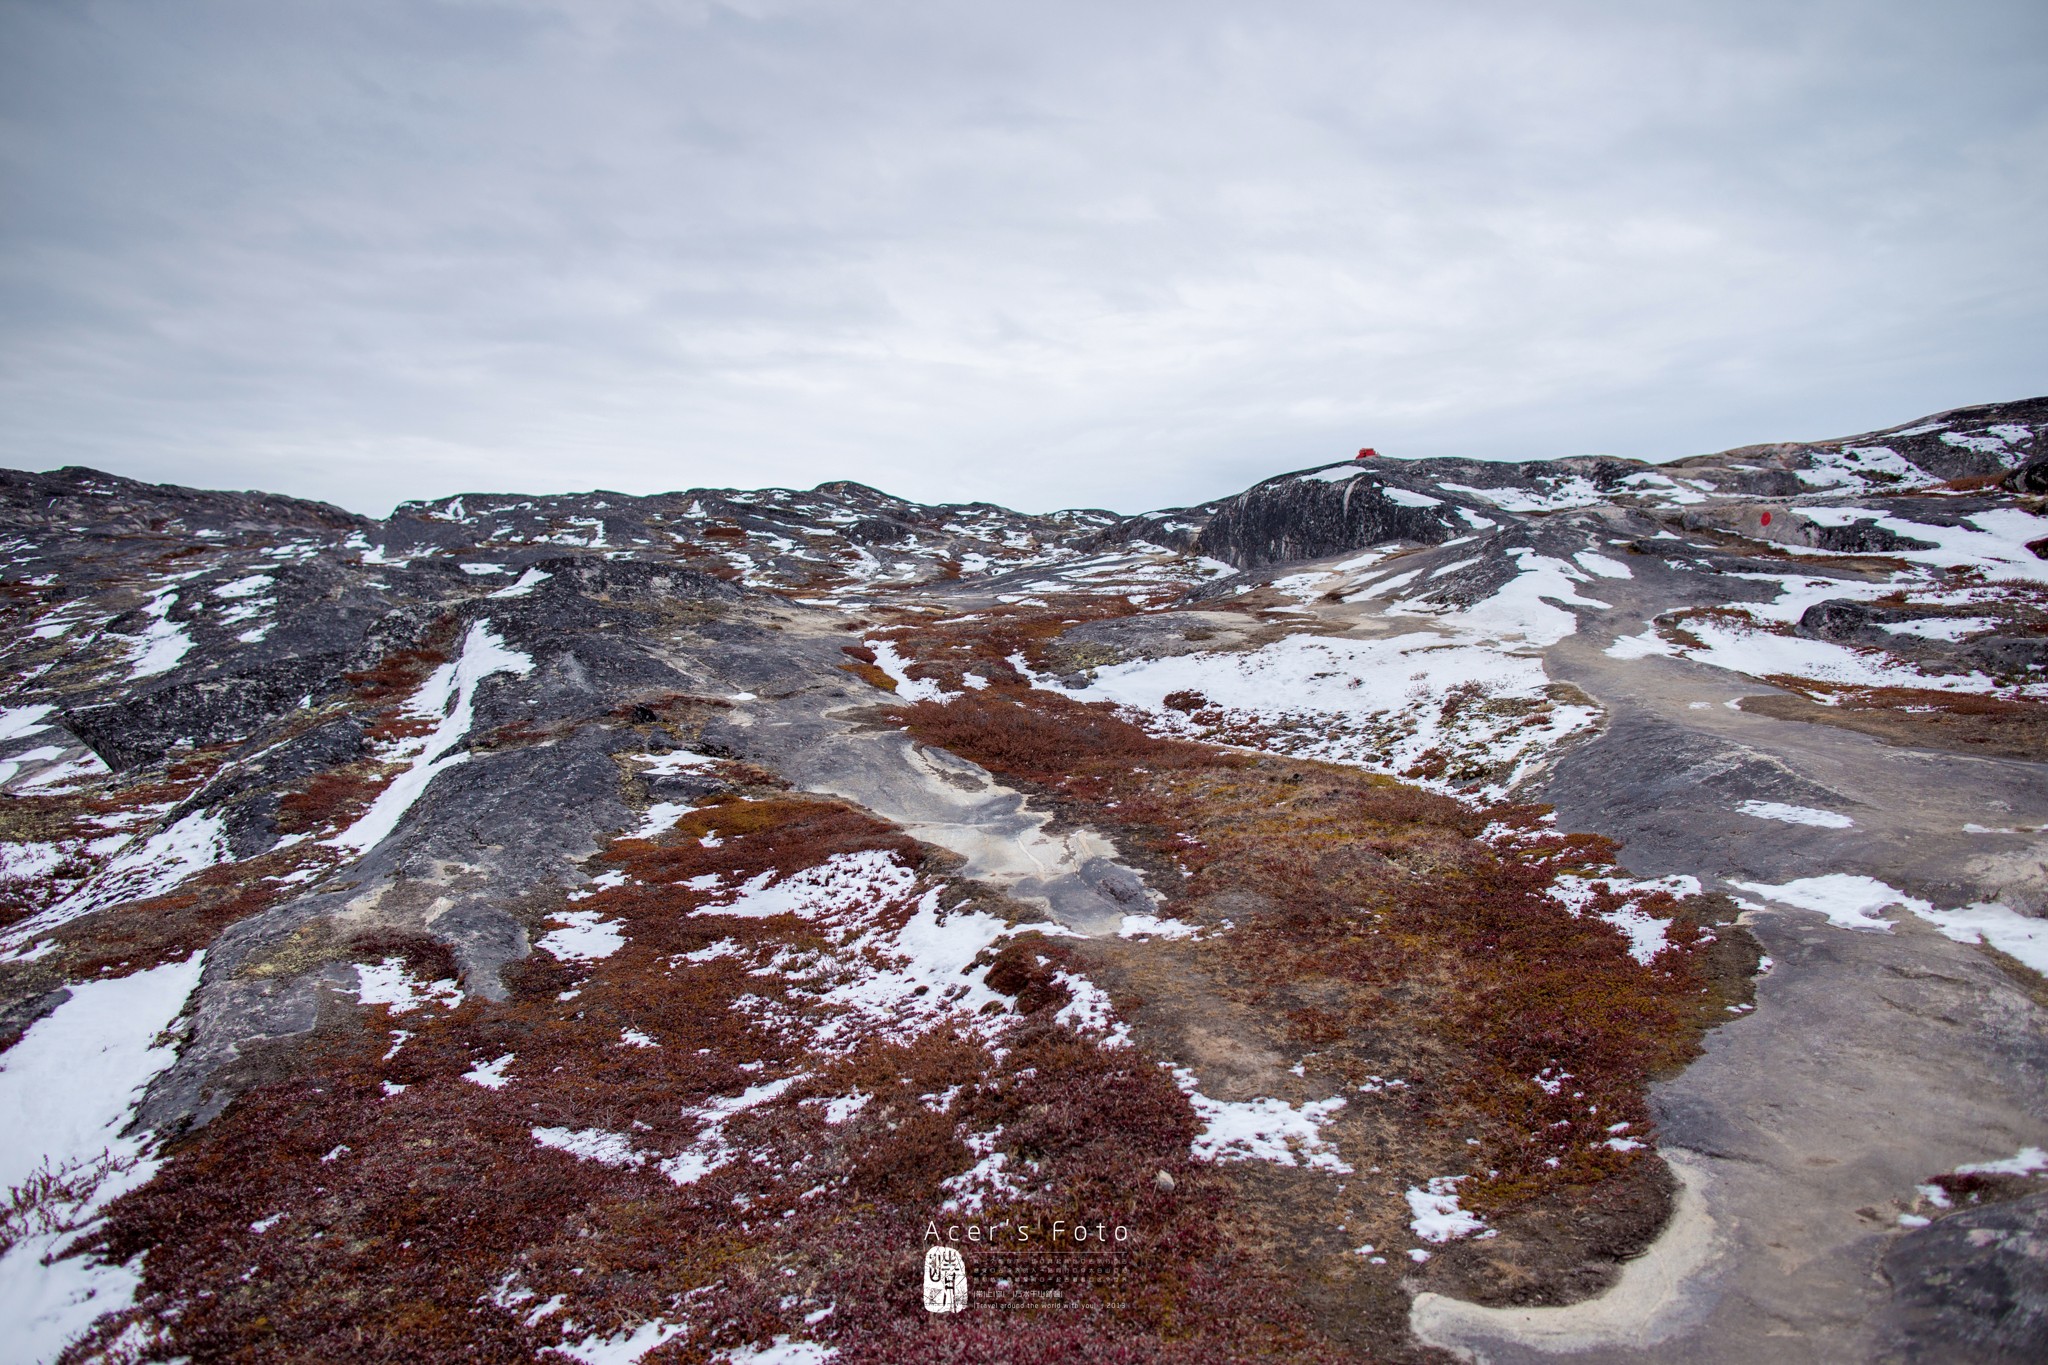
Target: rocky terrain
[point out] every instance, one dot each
(1405, 911)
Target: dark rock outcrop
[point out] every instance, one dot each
(1865, 538)
(1972, 1286)
(1301, 516)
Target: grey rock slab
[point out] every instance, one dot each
(811, 736)
(1873, 1060)
(1972, 1285)
(942, 799)
(1673, 763)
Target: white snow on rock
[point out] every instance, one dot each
(1401, 497)
(660, 818)
(1384, 586)
(673, 762)
(28, 758)
(1752, 648)
(2028, 1161)
(1665, 489)
(907, 687)
(58, 775)
(1437, 1217)
(528, 581)
(1763, 654)
(1151, 926)
(1575, 491)
(1848, 900)
(603, 881)
(67, 1089)
(449, 695)
(1994, 541)
(249, 599)
(1941, 627)
(1852, 466)
(1594, 562)
(19, 722)
(162, 644)
(1796, 815)
(1854, 902)
(1263, 1129)
(2018, 936)
(1528, 610)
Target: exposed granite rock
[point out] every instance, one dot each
(1971, 1286)
(1303, 516)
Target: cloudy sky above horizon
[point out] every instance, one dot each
(1127, 255)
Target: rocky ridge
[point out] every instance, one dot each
(352, 762)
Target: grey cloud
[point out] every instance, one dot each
(1124, 254)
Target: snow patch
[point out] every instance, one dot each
(782, 1351)
(907, 687)
(162, 643)
(450, 695)
(67, 1090)
(583, 937)
(1151, 926)
(1264, 1130)
(19, 722)
(1853, 902)
(528, 581)
(2028, 1161)
(388, 983)
(490, 1075)
(623, 1348)
(591, 1144)
(1437, 1217)
(1795, 815)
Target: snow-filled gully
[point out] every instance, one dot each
(67, 1092)
(448, 697)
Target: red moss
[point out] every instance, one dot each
(405, 1213)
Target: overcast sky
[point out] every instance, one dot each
(1109, 253)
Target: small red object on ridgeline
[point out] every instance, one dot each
(1367, 453)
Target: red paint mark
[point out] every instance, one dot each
(1767, 518)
